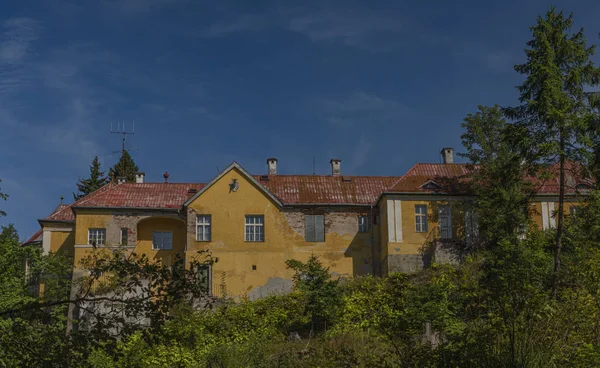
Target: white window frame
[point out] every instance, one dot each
(421, 221)
(204, 223)
(98, 234)
(363, 224)
(161, 246)
(251, 226)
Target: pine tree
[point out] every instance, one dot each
(554, 111)
(3, 196)
(93, 183)
(126, 167)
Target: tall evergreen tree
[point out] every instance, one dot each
(126, 167)
(93, 183)
(554, 111)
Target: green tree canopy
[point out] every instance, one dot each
(96, 180)
(126, 167)
(555, 111)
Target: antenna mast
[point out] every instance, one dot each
(123, 131)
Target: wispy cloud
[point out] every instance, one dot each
(244, 23)
(359, 28)
(16, 40)
(361, 107)
(354, 26)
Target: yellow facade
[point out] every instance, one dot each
(255, 269)
(246, 268)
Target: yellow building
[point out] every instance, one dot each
(252, 224)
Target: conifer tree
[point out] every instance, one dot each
(126, 167)
(3, 196)
(554, 112)
(93, 183)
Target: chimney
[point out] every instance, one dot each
(448, 155)
(121, 180)
(139, 177)
(272, 163)
(335, 166)
(166, 176)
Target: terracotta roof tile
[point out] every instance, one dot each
(420, 174)
(318, 189)
(37, 237)
(142, 195)
(62, 213)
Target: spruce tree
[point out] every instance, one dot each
(3, 196)
(93, 183)
(554, 110)
(126, 167)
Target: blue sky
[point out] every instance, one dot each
(379, 84)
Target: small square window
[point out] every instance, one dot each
(162, 240)
(363, 224)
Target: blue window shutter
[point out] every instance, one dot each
(320, 228)
(156, 240)
(310, 228)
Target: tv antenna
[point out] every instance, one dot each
(123, 131)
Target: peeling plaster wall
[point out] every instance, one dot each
(256, 268)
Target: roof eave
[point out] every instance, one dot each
(126, 208)
(329, 204)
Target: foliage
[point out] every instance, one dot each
(498, 175)
(313, 281)
(93, 183)
(4, 197)
(125, 168)
(555, 113)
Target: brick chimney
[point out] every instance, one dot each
(121, 180)
(335, 166)
(139, 177)
(272, 163)
(448, 155)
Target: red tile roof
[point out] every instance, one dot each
(319, 189)
(143, 195)
(420, 174)
(449, 176)
(62, 213)
(37, 237)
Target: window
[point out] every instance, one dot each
(363, 224)
(124, 234)
(204, 277)
(96, 236)
(315, 228)
(203, 227)
(572, 210)
(421, 218)
(445, 222)
(255, 229)
(162, 240)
